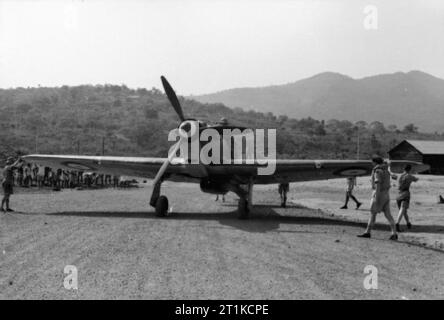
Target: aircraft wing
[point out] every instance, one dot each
(127, 166)
(307, 170)
(286, 170)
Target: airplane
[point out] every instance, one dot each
(213, 178)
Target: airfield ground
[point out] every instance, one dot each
(308, 250)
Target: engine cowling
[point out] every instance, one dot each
(213, 186)
(190, 128)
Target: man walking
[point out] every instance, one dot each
(380, 201)
(8, 182)
(351, 183)
(403, 199)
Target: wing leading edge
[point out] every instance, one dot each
(128, 166)
(286, 170)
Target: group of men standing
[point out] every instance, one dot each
(16, 172)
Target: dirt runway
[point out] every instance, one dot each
(121, 250)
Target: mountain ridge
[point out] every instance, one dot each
(398, 98)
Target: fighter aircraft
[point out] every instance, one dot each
(213, 178)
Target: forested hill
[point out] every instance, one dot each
(68, 120)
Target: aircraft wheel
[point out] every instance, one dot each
(243, 208)
(162, 206)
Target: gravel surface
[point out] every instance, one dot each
(121, 250)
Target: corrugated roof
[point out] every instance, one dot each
(427, 146)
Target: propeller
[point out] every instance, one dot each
(173, 98)
(187, 129)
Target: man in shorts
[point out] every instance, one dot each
(351, 183)
(8, 182)
(380, 201)
(403, 199)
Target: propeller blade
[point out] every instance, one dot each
(173, 98)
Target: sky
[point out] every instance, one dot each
(207, 46)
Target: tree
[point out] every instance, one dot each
(410, 128)
(361, 124)
(282, 119)
(377, 127)
(375, 144)
(117, 103)
(392, 128)
(151, 113)
(270, 116)
(319, 130)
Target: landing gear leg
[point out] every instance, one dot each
(243, 208)
(250, 194)
(245, 199)
(160, 203)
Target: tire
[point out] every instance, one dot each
(162, 206)
(243, 209)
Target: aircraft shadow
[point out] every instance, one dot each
(264, 218)
(271, 206)
(257, 223)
